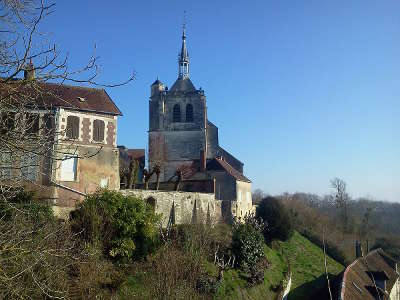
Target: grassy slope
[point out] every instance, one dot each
(234, 287)
(306, 260)
(308, 274)
(307, 264)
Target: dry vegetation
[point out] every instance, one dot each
(373, 223)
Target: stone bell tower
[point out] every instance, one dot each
(177, 121)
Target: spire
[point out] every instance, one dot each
(183, 56)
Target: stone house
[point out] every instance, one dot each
(89, 121)
(81, 126)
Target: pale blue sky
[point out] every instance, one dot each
(302, 91)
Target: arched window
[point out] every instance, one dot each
(177, 113)
(189, 113)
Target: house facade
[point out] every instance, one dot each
(70, 143)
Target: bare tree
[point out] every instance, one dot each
(341, 198)
(365, 227)
(223, 262)
(28, 62)
(146, 177)
(258, 195)
(133, 173)
(35, 257)
(179, 179)
(157, 170)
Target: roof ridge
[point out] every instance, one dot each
(73, 86)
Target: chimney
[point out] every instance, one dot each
(358, 249)
(202, 160)
(29, 72)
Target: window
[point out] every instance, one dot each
(32, 123)
(29, 166)
(73, 127)
(189, 113)
(177, 113)
(48, 120)
(5, 165)
(98, 131)
(68, 168)
(7, 122)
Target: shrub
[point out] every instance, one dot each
(24, 201)
(124, 225)
(257, 272)
(170, 273)
(207, 284)
(202, 239)
(35, 257)
(276, 216)
(247, 243)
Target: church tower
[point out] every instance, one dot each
(177, 121)
(182, 138)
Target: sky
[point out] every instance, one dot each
(302, 91)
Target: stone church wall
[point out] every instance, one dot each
(225, 185)
(212, 140)
(182, 207)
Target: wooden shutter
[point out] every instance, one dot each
(98, 130)
(73, 127)
(7, 122)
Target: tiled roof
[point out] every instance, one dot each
(228, 168)
(233, 161)
(136, 153)
(358, 283)
(51, 95)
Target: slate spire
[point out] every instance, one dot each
(183, 61)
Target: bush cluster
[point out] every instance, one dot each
(276, 216)
(247, 243)
(125, 226)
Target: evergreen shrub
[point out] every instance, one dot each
(125, 226)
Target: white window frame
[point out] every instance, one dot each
(69, 168)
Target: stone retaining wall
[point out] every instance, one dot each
(182, 207)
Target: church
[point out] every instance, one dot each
(183, 142)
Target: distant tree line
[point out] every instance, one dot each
(373, 223)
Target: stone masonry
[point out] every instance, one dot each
(181, 207)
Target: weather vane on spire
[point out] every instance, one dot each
(184, 24)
